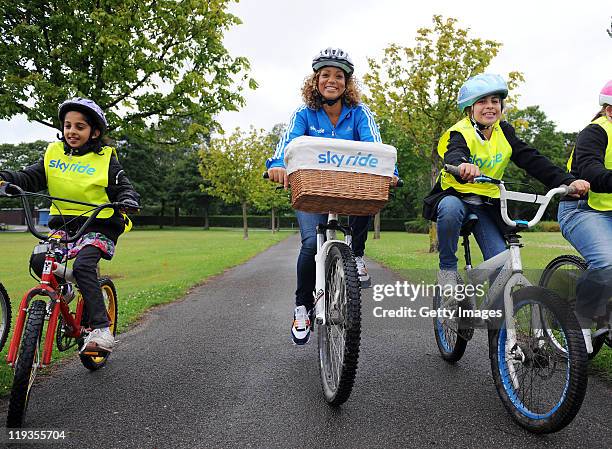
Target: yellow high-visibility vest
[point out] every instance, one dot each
(79, 178)
(490, 156)
(603, 201)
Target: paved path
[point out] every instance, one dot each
(217, 370)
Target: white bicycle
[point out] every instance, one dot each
(336, 176)
(537, 352)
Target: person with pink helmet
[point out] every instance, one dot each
(587, 222)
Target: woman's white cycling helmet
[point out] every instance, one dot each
(334, 57)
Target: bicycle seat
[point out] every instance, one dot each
(468, 225)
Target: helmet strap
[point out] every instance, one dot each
(331, 102)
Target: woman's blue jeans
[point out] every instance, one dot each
(452, 213)
(306, 264)
(590, 232)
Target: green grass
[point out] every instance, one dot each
(150, 267)
(409, 256)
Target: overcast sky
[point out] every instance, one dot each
(562, 48)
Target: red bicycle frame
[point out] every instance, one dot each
(48, 287)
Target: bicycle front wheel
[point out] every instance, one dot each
(5, 316)
(27, 364)
(541, 380)
(561, 276)
(340, 337)
(95, 361)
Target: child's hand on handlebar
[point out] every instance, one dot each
(580, 188)
(129, 205)
(279, 174)
(468, 172)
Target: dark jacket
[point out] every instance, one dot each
(524, 156)
(33, 179)
(588, 161)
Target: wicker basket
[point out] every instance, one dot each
(347, 193)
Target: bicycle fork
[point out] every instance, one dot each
(326, 236)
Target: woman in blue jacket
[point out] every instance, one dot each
(331, 109)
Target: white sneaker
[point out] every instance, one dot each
(99, 340)
(362, 271)
(300, 328)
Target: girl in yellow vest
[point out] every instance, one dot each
(481, 143)
(587, 222)
(81, 168)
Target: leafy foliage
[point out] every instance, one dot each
(157, 67)
(233, 167)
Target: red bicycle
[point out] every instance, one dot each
(50, 301)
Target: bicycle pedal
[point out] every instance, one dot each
(96, 354)
(367, 283)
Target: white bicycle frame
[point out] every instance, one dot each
(323, 245)
(511, 274)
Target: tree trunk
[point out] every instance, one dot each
(161, 214)
(273, 220)
(244, 220)
(377, 226)
(176, 215)
(206, 222)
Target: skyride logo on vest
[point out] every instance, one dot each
(486, 162)
(76, 168)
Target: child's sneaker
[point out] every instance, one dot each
(99, 340)
(300, 329)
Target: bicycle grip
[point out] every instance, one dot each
(266, 175)
(452, 169)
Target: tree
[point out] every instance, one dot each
(18, 157)
(184, 184)
(266, 196)
(233, 167)
(533, 126)
(150, 64)
(413, 93)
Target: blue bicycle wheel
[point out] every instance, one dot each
(541, 376)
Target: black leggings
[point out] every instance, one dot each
(84, 270)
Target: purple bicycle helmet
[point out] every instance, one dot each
(87, 107)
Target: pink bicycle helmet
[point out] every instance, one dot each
(605, 96)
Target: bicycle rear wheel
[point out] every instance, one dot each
(561, 276)
(95, 361)
(5, 316)
(27, 364)
(340, 337)
(452, 334)
(541, 386)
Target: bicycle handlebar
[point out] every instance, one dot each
(505, 195)
(23, 195)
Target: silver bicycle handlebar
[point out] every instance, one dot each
(505, 195)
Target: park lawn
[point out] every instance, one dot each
(408, 255)
(150, 267)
